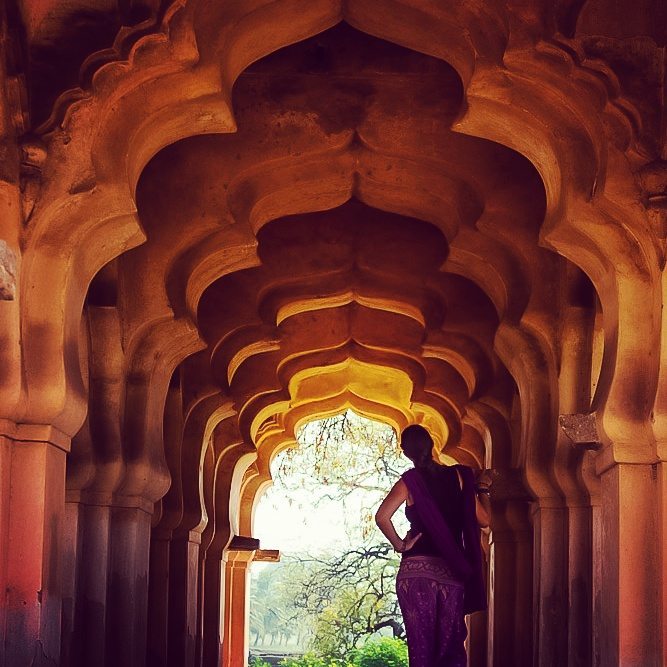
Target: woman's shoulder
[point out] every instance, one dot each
(408, 474)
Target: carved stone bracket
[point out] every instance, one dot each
(581, 429)
(8, 271)
(243, 543)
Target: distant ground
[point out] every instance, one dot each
(273, 657)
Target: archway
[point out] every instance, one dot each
(345, 280)
(461, 317)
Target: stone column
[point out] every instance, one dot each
(236, 610)
(583, 538)
(550, 535)
(173, 598)
(510, 616)
(158, 599)
(71, 556)
(127, 597)
(572, 464)
(478, 627)
(213, 591)
(183, 589)
(630, 633)
(87, 564)
(32, 460)
(580, 573)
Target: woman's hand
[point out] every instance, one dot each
(408, 542)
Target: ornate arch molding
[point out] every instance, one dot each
(513, 282)
(593, 218)
(495, 76)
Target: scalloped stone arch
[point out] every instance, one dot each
(460, 50)
(515, 93)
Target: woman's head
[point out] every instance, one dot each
(417, 445)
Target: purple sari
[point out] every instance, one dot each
(435, 592)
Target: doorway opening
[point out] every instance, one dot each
(331, 598)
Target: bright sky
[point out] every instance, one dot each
(296, 525)
(287, 519)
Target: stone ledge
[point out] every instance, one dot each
(35, 433)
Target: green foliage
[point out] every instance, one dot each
(384, 652)
(311, 660)
(258, 662)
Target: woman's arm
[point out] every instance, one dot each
(395, 498)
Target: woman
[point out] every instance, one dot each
(440, 578)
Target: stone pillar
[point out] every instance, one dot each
(158, 599)
(580, 555)
(236, 610)
(572, 464)
(32, 460)
(596, 588)
(127, 597)
(630, 633)
(5, 496)
(173, 596)
(510, 616)
(477, 639)
(71, 558)
(478, 623)
(550, 535)
(173, 599)
(183, 597)
(87, 643)
(213, 589)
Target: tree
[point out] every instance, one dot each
(350, 596)
(273, 611)
(259, 662)
(344, 458)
